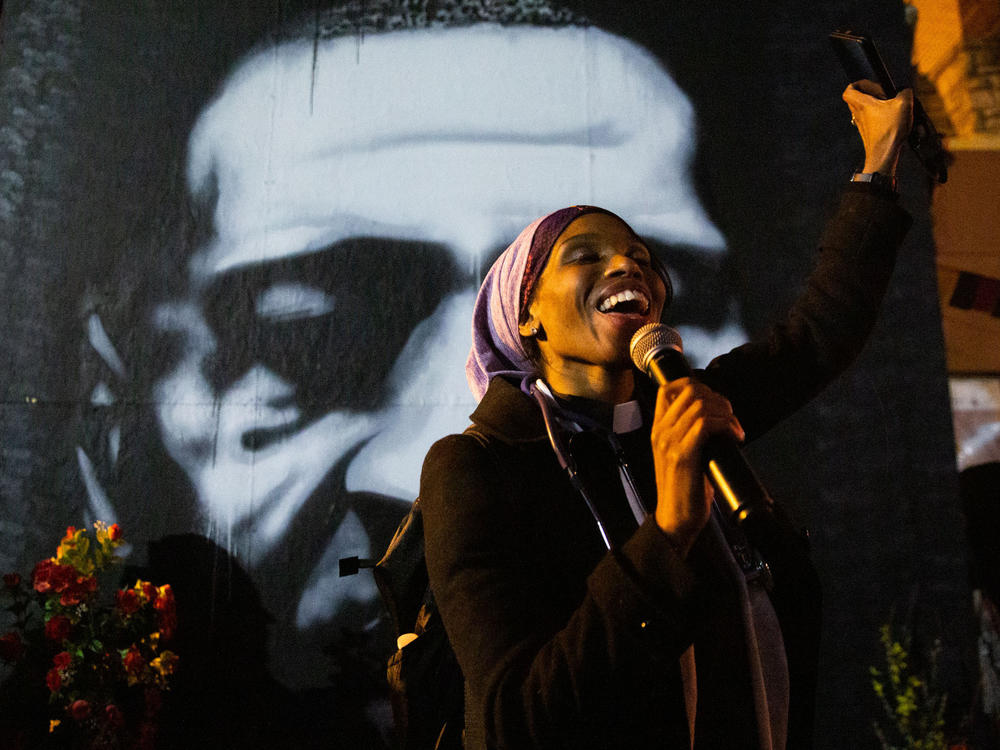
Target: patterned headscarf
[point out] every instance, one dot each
(504, 296)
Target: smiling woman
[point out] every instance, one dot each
(598, 288)
(669, 628)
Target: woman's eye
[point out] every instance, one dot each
(292, 301)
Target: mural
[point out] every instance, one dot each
(318, 345)
(268, 272)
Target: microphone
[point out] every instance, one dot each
(657, 351)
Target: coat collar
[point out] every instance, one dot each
(509, 414)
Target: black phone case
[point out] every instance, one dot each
(860, 59)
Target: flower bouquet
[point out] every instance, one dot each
(98, 652)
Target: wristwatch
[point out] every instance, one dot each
(876, 180)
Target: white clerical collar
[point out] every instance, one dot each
(627, 417)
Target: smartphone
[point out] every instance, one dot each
(860, 59)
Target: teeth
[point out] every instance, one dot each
(616, 299)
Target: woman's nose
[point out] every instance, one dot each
(621, 264)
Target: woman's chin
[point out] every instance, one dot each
(622, 325)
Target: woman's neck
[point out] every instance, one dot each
(592, 382)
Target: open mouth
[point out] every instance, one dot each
(264, 437)
(625, 302)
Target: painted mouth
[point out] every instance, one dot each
(625, 302)
(264, 437)
(284, 421)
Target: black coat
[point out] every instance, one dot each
(564, 644)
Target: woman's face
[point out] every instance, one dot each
(596, 290)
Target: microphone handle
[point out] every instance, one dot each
(735, 480)
(725, 465)
(668, 364)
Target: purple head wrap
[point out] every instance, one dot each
(496, 342)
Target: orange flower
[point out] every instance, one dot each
(74, 551)
(165, 665)
(73, 539)
(165, 596)
(109, 538)
(147, 589)
(166, 608)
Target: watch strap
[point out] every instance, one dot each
(876, 180)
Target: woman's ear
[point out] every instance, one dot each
(528, 328)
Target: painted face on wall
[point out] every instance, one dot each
(358, 191)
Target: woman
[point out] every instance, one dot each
(617, 609)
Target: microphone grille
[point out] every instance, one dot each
(650, 339)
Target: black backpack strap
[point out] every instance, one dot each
(475, 729)
(426, 687)
(401, 573)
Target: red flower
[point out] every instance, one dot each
(78, 589)
(64, 580)
(70, 531)
(53, 679)
(11, 580)
(127, 601)
(114, 716)
(79, 709)
(166, 608)
(165, 599)
(49, 575)
(114, 532)
(11, 646)
(58, 628)
(133, 661)
(148, 590)
(62, 660)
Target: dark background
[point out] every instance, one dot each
(96, 104)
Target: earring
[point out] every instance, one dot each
(534, 331)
